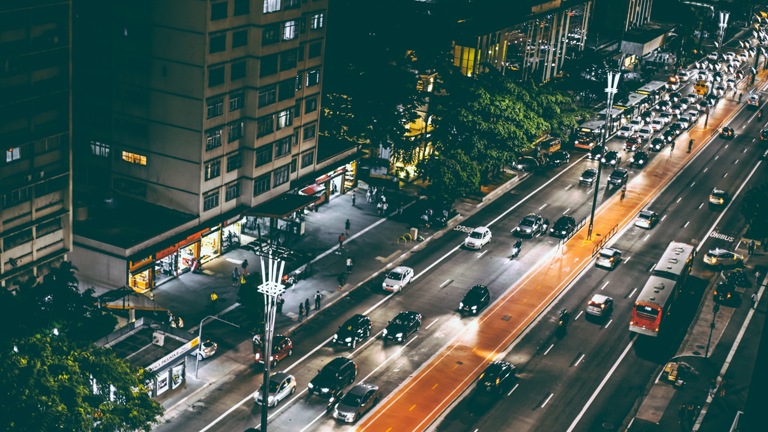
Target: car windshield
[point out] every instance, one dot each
(718, 194)
(395, 275)
(273, 385)
(351, 400)
(645, 216)
(476, 235)
(526, 222)
(588, 174)
(398, 321)
(606, 254)
(492, 372)
(562, 223)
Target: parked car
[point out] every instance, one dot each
(588, 176)
(563, 227)
(334, 376)
(723, 258)
(639, 159)
(560, 157)
(403, 325)
(600, 306)
(207, 349)
(608, 258)
(646, 219)
(477, 298)
(281, 385)
(611, 158)
(618, 177)
(530, 226)
(497, 377)
(354, 330)
(526, 164)
(398, 278)
(478, 238)
(356, 402)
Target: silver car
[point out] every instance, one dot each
(358, 401)
(530, 226)
(397, 279)
(281, 385)
(608, 258)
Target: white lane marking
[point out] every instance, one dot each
(725, 175)
(431, 324)
(548, 349)
(513, 389)
(632, 293)
(736, 161)
(678, 200)
(700, 206)
(578, 360)
(608, 323)
(716, 157)
(600, 387)
(542, 207)
(693, 183)
(705, 170)
(627, 259)
(577, 316)
(481, 255)
(745, 150)
(567, 210)
(568, 187)
(647, 236)
(663, 217)
(547, 401)
(390, 358)
(605, 285)
(447, 281)
(686, 224)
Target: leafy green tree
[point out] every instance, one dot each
(754, 208)
(52, 384)
(452, 174)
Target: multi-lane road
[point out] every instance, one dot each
(557, 376)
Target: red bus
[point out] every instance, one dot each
(658, 296)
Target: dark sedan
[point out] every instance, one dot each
(611, 158)
(477, 298)
(639, 159)
(563, 227)
(727, 133)
(560, 157)
(658, 144)
(402, 326)
(596, 153)
(497, 377)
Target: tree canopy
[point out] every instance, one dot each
(754, 208)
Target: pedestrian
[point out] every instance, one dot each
(383, 198)
(751, 247)
(379, 206)
(350, 264)
(170, 316)
(712, 387)
(235, 276)
(722, 388)
(739, 97)
(214, 299)
(672, 147)
(754, 301)
(368, 197)
(341, 241)
(179, 322)
(280, 302)
(384, 208)
(244, 265)
(623, 192)
(342, 279)
(301, 311)
(242, 279)
(347, 224)
(353, 198)
(318, 296)
(306, 307)
(400, 210)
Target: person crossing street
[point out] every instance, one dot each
(318, 297)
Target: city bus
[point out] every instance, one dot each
(633, 105)
(658, 296)
(654, 90)
(588, 135)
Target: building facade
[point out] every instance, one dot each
(195, 118)
(35, 211)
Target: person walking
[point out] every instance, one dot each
(341, 241)
(739, 97)
(751, 247)
(623, 192)
(244, 265)
(354, 196)
(214, 299)
(342, 279)
(368, 196)
(723, 390)
(347, 225)
(672, 147)
(301, 311)
(235, 276)
(754, 301)
(690, 145)
(379, 206)
(318, 297)
(280, 301)
(350, 264)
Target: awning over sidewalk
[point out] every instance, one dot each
(281, 206)
(313, 189)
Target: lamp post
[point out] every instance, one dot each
(272, 259)
(723, 25)
(611, 90)
(200, 338)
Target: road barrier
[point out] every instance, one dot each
(604, 240)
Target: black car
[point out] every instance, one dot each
(669, 135)
(723, 292)
(663, 106)
(738, 277)
(475, 300)
(337, 374)
(355, 329)
(764, 135)
(560, 157)
(588, 176)
(639, 159)
(675, 97)
(402, 326)
(677, 127)
(727, 133)
(712, 99)
(611, 158)
(497, 377)
(658, 144)
(618, 177)
(563, 227)
(647, 116)
(596, 153)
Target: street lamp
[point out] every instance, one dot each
(723, 24)
(612, 89)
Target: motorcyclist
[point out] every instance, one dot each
(760, 114)
(564, 317)
(516, 247)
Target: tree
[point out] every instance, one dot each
(754, 208)
(451, 174)
(52, 384)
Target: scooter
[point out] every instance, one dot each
(516, 249)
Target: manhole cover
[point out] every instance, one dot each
(459, 363)
(505, 318)
(699, 346)
(607, 426)
(697, 353)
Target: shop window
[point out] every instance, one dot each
(232, 192)
(310, 105)
(307, 159)
(134, 158)
(267, 96)
(218, 43)
(271, 6)
(212, 139)
(310, 132)
(317, 21)
(215, 76)
(239, 38)
(268, 65)
(281, 175)
(234, 161)
(218, 10)
(13, 154)
(313, 77)
(211, 201)
(315, 49)
(237, 71)
(283, 147)
(262, 184)
(215, 106)
(236, 101)
(288, 60)
(270, 34)
(100, 149)
(213, 169)
(290, 30)
(284, 119)
(263, 155)
(235, 131)
(265, 125)
(286, 90)
(242, 7)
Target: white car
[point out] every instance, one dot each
(478, 238)
(730, 83)
(608, 258)
(666, 117)
(684, 75)
(657, 124)
(600, 305)
(645, 133)
(281, 385)
(685, 121)
(626, 131)
(712, 56)
(693, 114)
(730, 55)
(646, 219)
(637, 123)
(397, 279)
(207, 349)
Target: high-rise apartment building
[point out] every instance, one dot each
(192, 119)
(35, 198)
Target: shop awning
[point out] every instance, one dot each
(313, 189)
(281, 206)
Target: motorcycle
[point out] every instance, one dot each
(516, 248)
(564, 317)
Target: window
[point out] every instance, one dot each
(215, 76)
(284, 119)
(307, 159)
(265, 125)
(262, 184)
(239, 38)
(280, 175)
(316, 21)
(218, 10)
(313, 77)
(270, 34)
(283, 147)
(293, 165)
(235, 131)
(234, 161)
(212, 139)
(218, 43)
(271, 6)
(309, 132)
(232, 191)
(238, 71)
(297, 109)
(263, 155)
(310, 105)
(268, 65)
(242, 7)
(213, 169)
(267, 96)
(236, 101)
(211, 201)
(134, 158)
(290, 30)
(291, 4)
(12, 154)
(315, 49)
(215, 106)
(100, 149)
(288, 60)
(287, 90)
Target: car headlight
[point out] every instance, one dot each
(461, 305)
(632, 159)
(335, 338)
(602, 160)
(474, 307)
(311, 386)
(384, 332)
(325, 390)
(349, 339)
(399, 335)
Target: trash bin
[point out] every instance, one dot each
(414, 233)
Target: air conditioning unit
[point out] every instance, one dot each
(41, 174)
(158, 338)
(29, 177)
